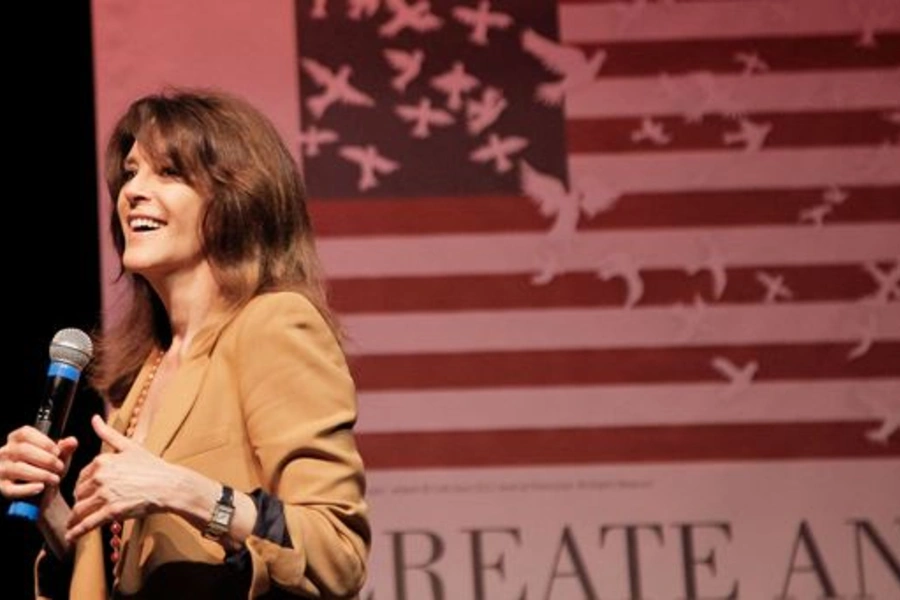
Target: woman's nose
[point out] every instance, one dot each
(136, 188)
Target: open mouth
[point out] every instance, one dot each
(144, 224)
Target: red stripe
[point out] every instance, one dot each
(662, 287)
(651, 444)
(561, 2)
(797, 130)
(788, 53)
(777, 362)
(488, 214)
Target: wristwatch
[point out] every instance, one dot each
(220, 519)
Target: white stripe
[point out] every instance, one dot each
(621, 21)
(718, 170)
(875, 89)
(491, 254)
(595, 328)
(632, 405)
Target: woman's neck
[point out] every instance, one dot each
(190, 303)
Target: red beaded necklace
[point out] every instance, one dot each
(116, 526)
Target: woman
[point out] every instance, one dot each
(229, 467)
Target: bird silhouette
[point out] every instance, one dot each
(751, 62)
(884, 405)
(651, 131)
(890, 423)
(423, 116)
(835, 195)
(752, 135)
(337, 88)
(408, 65)
(370, 163)
(454, 83)
(552, 199)
(597, 195)
(888, 282)
(712, 261)
(588, 196)
(481, 19)
(867, 329)
(573, 65)
(499, 150)
(417, 17)
(775, 287)
(313, 138)
(484, 112)
(815, 215)
(360, 9)
(623, 266)
(739, 378)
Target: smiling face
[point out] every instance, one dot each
(160, 215)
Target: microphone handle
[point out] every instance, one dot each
(62, 381)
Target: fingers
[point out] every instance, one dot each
(102, 493)
(86, 482)
(14, 490)
(21, 456)
(67, 447)
(87, 514)
(114, 485)
(22, 472)
(113, 438)
(29, 462)
(30, 435)
(92, 506)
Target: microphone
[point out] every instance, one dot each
(70, 352)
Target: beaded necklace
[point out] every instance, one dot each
(116, 526)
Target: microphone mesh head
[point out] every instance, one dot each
(72, 346)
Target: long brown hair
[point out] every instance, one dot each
(256, 231)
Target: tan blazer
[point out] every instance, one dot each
(264, 400)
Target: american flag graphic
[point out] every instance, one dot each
(585, 232)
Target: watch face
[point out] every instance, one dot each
(220, 521)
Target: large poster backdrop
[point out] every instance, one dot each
(622, 279)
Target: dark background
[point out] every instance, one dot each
(51, 255)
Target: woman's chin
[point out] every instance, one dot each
(138, 265)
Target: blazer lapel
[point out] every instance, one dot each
(178, 398)
(190, 377)
(118, 418)
(181, 392)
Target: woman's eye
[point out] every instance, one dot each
(170, 172)
(128, 174)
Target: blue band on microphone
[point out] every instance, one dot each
(60, 369)
(23, 510)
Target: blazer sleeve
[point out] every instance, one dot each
(299, 405)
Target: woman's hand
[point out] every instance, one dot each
(31, 463)
(126, 483)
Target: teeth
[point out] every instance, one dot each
(145, 224)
